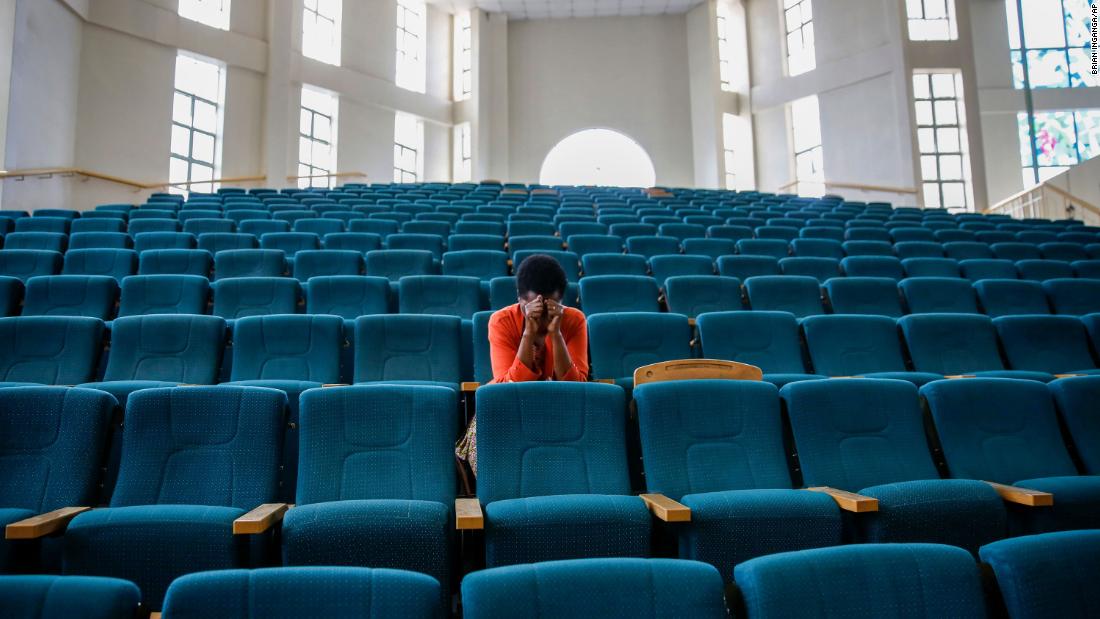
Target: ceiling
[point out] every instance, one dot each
(560, 9)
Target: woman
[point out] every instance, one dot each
(537, 338)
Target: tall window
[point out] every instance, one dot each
(729, 140)
(1057, 36)
(932, 20)
(941, 135)
(321, 30)
(464, 57)
(214, 13)
(412, 71)
(1062, 139)
(196, 124)
(798, 16)
(408, 144)
(464, 153)
(808, 154)
(317, 138)
(724, 75)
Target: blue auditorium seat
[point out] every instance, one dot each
(712, 248)
(175, 262)
(740, 493)
(1086, 269)
(309, 263)
(553, 475)
(918, 249)
(621, 342)
(868, 248)
(147, 241)
(158, 225)
(163, 294)
(1042, 270)
(875, 235)
(956, 345)
(171, 512)
(353, 442)
(602, 294)
(1074, 297)
(116, 263)
(863, 580)
(54, 442)
(99, 240)
(361, 242)
(93, 296)
(1015, 251)
(732, 233)
(418, 242)
(39, 241)
(59, 225)
(11, 296)
(614, 264)
(206, 225)
(1006, 431)
(744, 267)
(938, 295)
(569, 229)
(215, 242)
(1066, 252)
(49, 350)
(1046, 575)
(56, 597)
(1008, 297)
(832, 232)
(479, 263)
(348, 296)
(817, 248)
(96, 225)
(911, 234)
(879, 424)
(1076, 398)
(872, 266)
(530, 228)
(397, 263)
(670, 265)
(799, 295)
(967, 250)
(290, 243)
(820, 269)
(864, 295)
(609, 588)
(975, 270)
(288, 592)
(239, 297)
(692, 295)
(1052, 344)
(249, 263)
(448, 295)
(408, 349)
(480, 228)
(846, 345)
(627, 230)
(650, 246)
(930, 267)
(775, 248)
(320, 227)
(783, 233)
(260, 227)
(460, 242)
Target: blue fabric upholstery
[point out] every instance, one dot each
(768, 340)
(864, 580)
(918, 249)
(967, 250)
(817, 248)
(320, 227)
(957, 344)
(394, 264)
(100, 240)
(717, 447)
(477, 241)
(447, 295)
(711, 248)
(867, 436)
(361, 242)
(215, 242)
(11, 294)
(286, 592)
(744, 267)
(348, 296)
(798, 295)
(1015, 251)
(1076, 399)
(1047, 575)
(26, 263)
(43, 223)
(864, 295)
(116, 263)
(93, 296)
(1066, 252)
(147, 241)
(163, 294)
(260, 227)
(408, 348)
(872, 266)
(239, 297)
(39, 241)
(96, 225)
(1011, 297)
(432, 243)
(692, 295)
(480, 263)
(310, 263)
(614, 264)
(59, 597)
(51, 350)
(611, 588)
(650, 246)
(665, 266)
(206, 225)
(1075, 297)
(622, 342)
(290, 243)
(601, 294)
(551, 455)
(930, 267)
(846, 345)
(938, 295)
(1053, 344)
(979, 269)
(820, 269)
(868, 248)
(249, 263)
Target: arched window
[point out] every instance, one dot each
(598, 157)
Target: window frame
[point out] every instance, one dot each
(463, 56)
(312, 170)
(950, 18)
(401, 174)
(193, 10)
(332, 54)
(187, 185)
(810, 58)
(814, 153)
(937, 153)
(1019, 51)
(462, 162)
(403, 78)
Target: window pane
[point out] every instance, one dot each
(181, 141)
(202, 147)
(206, 117)
(177, 170)
(181, 108)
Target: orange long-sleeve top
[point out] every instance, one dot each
(505, 332)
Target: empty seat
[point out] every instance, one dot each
(798, 295)
(783, 233)
(59, 225)
(997, 236)
(1006, 431)
(692, 295)
(938, 295)
(583, 244)
(41, 241)
(361, 242)
(175, 262)
(1015, 251)
(11, 295)
(872, 266)
(918, 249)
(568, 229)
(1006, 297)
(864, 295)
(480, 228)
(622, 342)
(446, 295)
(413, 349)
(533, 514)
(203, 225)
(1086, 268)
(290, 243)
(817, 248)
(260, 227)
(681, 231)
(880, 423)
(650, 246)
(163, 294)
(1076, 399)
(614, 264)
(394, 264)
(97, 225)
(1066, 252)
(911, 234)
(98, 240)
(1042, 270)
(147, 241)
(958, 345)
(482, 264)
(238, 297)
(1036, 236)
(311, 263)
(249, 263)
(732, 233)
(530, 228)
(116, 263)
(947, 235)
(868, 248)
(930, 267)
(347, 296)
(320, 226)
(1052, 344)
(49, 597)
(711, 248)
(832, 232)
(975, 270)
(215, 242)
(744, 267)
(1050, 573)
(863, 580)
(50, 350)
(843, 345)
(820, 269)
(462, 242)
(381, 227)
(1075, 297)
(601, 294)
(878, 235)
(774, 248)
(967, 250)
(138, 225)
(202, 436)
(665, 266)
(93, 296)
(612, 588)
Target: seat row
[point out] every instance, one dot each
(197, 486)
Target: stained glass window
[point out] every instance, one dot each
(941, 136)
(1056, 45)
(1062, 139)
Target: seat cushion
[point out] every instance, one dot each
(429, 383)
(727, 528)
(572, 526)
(44, 597)
(150, 545)
(10, 551)
(122, 389)
(958, 512)
(917, 378)
(782, 379)
(1042, 377)
(1076, 504)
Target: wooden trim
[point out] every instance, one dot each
(1023, 496)
(329, 175)
(1068, 375)
(260, 519)
(666, 509)
(230, 180)
(330, 385)
(849, 501)
(254, 178)
(856, 186)
(605, 381)
(693, 369)
(470, 387)
(957, 376)
(468, 515)
(43, 524)
(154, 615)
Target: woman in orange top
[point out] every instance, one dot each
(537, 338)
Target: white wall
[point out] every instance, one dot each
(622, 73)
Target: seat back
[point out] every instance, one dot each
(238, 297)
(310, 263)
(71, 295)
(768, 340)
(1053, 344)
(288, 347)
(215, 242)
(408, 347)
(799, 295)
(938, 295)
(99, 240)
(930, 267)
(163, 240)
(175, 262)
(445, 295)
(1074, 297)
(624, 341)
(480, 263)
(872, 266)
(249, 263)
(614, 264)
(11, 295)
(744, 267)
(394, 264)
(845, 345)
(951, 344)
(163, 294)
(43, 241)
(290, 243)
(864, 295)
(1044, 575)
(602, 294)
(348, 296)
(692, 295)
(1042, 270)
(173, 348)
(1076, 399)
(361, 242)
(115, 263)
(51, 350)
(1007, 297)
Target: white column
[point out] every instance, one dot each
(279, 113)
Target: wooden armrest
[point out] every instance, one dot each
(1068, 375)
(327, 385)
(43, 524)
(154, 615)
(687, 369)
(260, 519)
(957, 376)
(606, 381)
(665, 508)
(1023, 496)
(691, 322)
(468, 516)
(849, 501)
(470, 387)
